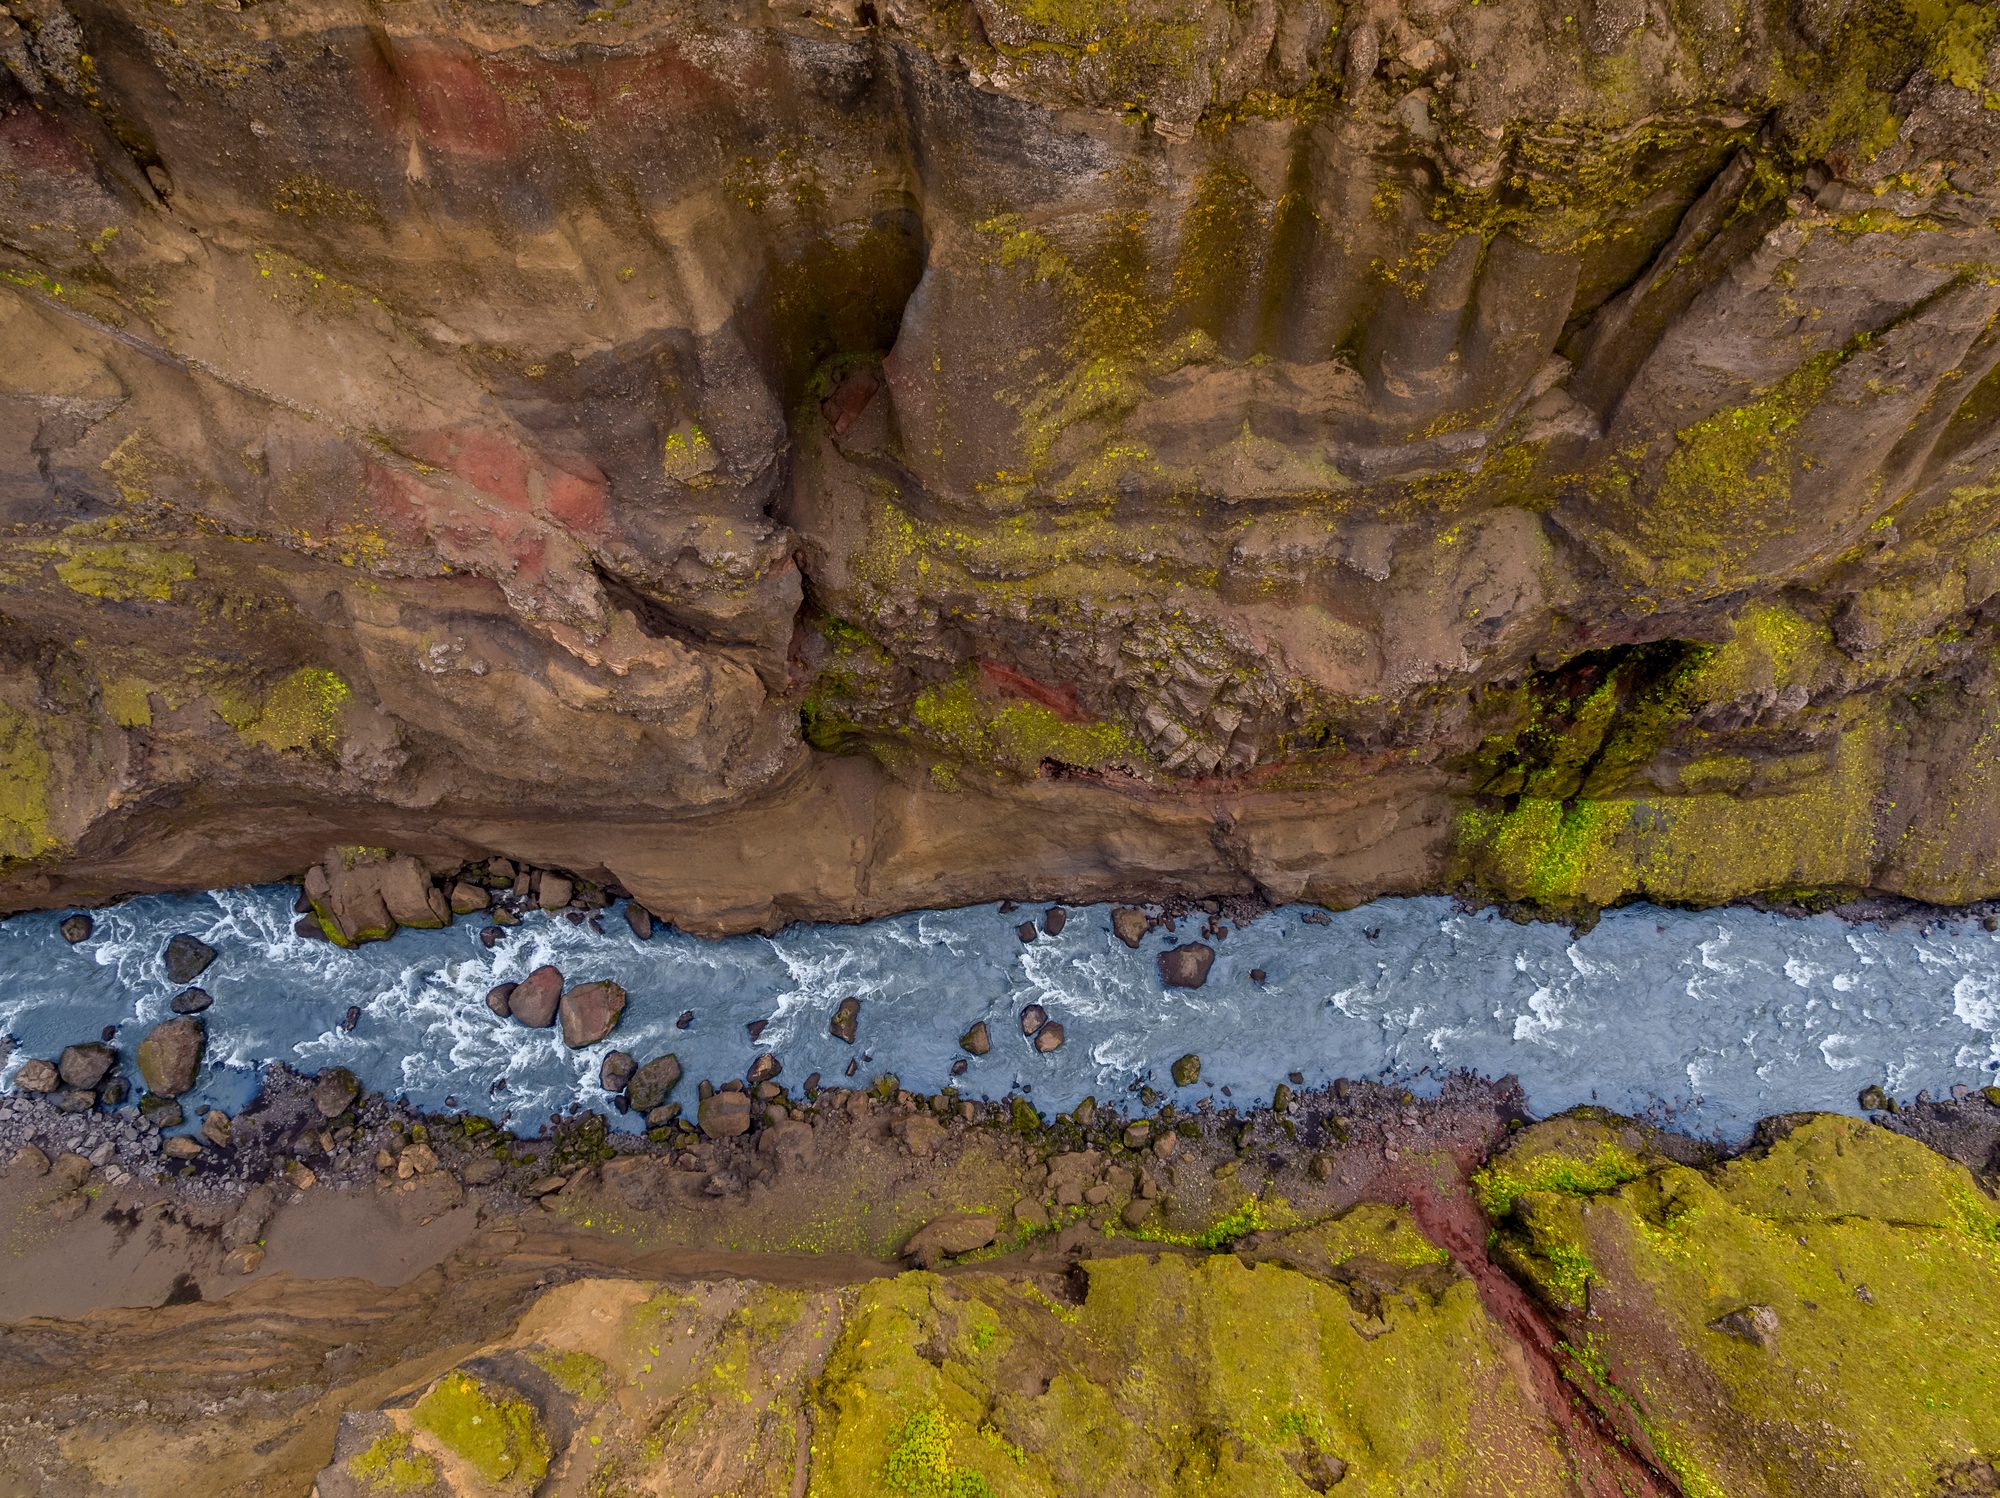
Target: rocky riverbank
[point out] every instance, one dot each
(869, 1292)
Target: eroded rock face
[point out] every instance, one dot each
(817, 460)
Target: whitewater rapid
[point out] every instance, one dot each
(1708, 1021)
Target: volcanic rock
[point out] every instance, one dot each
(846, 1019)
(186, 957)
(651, 1083)
(590, 1011)
(536, 997)
(1186, 966)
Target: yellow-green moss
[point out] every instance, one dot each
(1877, 1257)
(121, 572)
(301, 712)
(1554, 853)
(496, 1433)
(26, 772)
(1017, 736)
(577, 1373)
(392, 1465)
(129, 701)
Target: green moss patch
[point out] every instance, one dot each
(393, 1465)
(496, 1433)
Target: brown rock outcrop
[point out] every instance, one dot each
(815, 460)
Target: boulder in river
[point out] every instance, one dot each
(170, 1055)
(1033, 1018)
(590, 1011)
(86, 1066)
(616, 1070)
(1026, 931)
(640, 919)
(1049, 1038)
(1187, 965)
(76, 928)
(555, 891)
(536, 997)
(500, 999)
(1053, 921)
(37, 1076)
(1129, 925)
(191, 1001)
(846, 1020)
(764, 1068)
(725, 1115)
(650, 1084)
(977, 1041)
(186, 958)
(1187, 1070)
(468, 898)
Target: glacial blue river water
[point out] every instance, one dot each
(1708, 1021)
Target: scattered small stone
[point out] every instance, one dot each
(846, 1020)
(335, 1091)
(191, 1001)
(1033, 1018)
(75, 1100)
(1026, 931)
(1050, 1037)
(660, 1117)
(1187, 1070)
(756, 1029)
(1136, 1211)
(467, 898)
(300, 1175)
(851, 1068)
(616, 1070)
(170, 1055)
(245, 1260)
(215, 1128)
(1317, 918)
(686, 1019)
(85, 1066)
(416, 1160)
(536, 997)
(1008, 907)
(1138, 1134)
(186, 957)
(1129, 925)
(37, 1076)
(651, 1083)
(1281, 1098)
(1187, 965)
(1165, 1145)
(160, 1112)
(1258, 975)
(960, 1067)
(350, 1019)
(640, 919)
(1053, 921)
(489, 936)
(482, 1172)
(1874, 1099)
(590, 1011)
(181, 1147)
(76, 928)
(764, 1068)
(978, 1040)
(546, 1186)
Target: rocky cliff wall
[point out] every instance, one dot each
(817, 458)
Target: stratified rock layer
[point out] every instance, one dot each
(816, 459)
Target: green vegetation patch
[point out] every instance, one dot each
(576, 1373)
(1873, 1266)
(124, 571)
(1017, 735)
(393, 1465)
(496, 1433)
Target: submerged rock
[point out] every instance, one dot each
(75, 928)
(186, 958)
(616, 1070)
(191, 1001)
(1129, 925)
(976, 1041)
(1187, 1071)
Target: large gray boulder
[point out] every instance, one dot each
(170, 1056)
